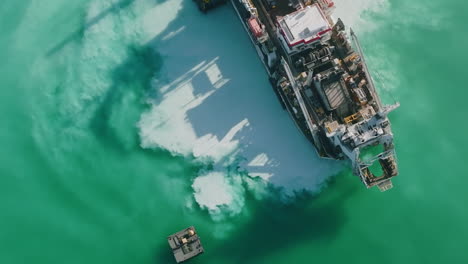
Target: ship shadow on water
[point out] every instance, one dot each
(215, 84)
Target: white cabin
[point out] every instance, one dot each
(303, 29)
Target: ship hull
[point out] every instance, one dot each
(285, 104)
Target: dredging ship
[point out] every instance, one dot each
(321, 78)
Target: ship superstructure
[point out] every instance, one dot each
(323, 82)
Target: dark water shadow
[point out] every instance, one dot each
(274, 226)
(130, 81)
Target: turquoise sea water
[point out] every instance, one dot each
(84, 181)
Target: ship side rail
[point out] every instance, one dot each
(366, 70)
(269, 24)
(298, 94)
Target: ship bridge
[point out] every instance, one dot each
(303, 28)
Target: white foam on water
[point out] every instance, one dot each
(157, 18)
(360, 16)
(218, 193)
(166, 124)
(214, 103)
(354, 13)
(87, 57)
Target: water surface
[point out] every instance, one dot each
(125, 121)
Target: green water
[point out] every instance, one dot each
(76, 187)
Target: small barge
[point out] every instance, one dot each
(185, 244)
